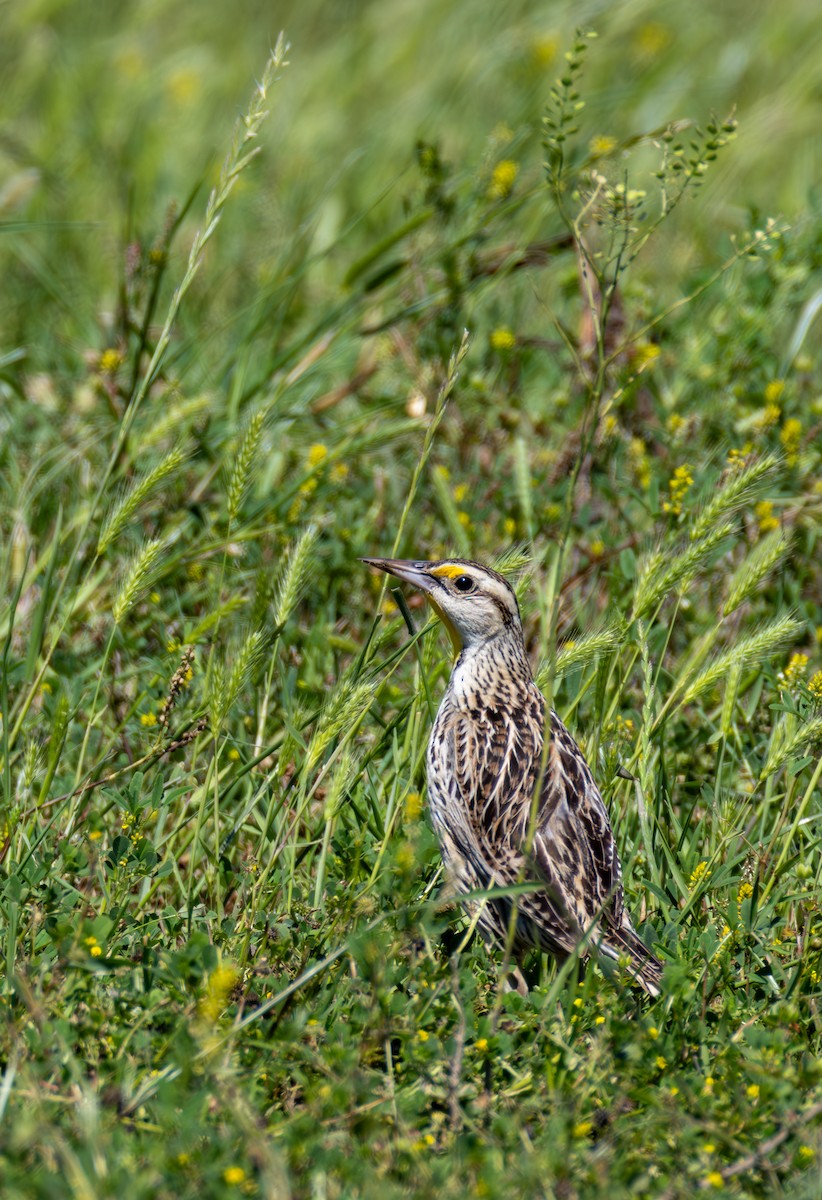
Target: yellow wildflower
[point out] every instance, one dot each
(110, 361)
(661, 1062)
(791, 438)
(675, 423)
(714, 1179)
(653, 1032)
(503, 179)
(599, 1020)
(644, 352)
(764, 515)
(234, 1175)
(96, 951)
(413, 806)
(638, 459)
(219, 986)
(316, 454)
(708, 1086)
(423, 1035)
(815, 685)
(738, 458)
(234, 754)
(752, 1091)
(481, 1044)
(679, 485)
(339, 472)
(807, 1153)
(744, 891)
(697, 875)
(582, 1129)
(464, 519)
(544, 49)
(502, 339)
(774, 390)
(148, 719)
(652, 38)
(796, 668)
(602, 144)
(768, 417)
(460, 492)
(509, 526)
(597, 548)
(95, 835)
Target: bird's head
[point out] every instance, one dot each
(474, 603)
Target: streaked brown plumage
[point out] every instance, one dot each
(485, 759)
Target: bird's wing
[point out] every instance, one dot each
(493, 757)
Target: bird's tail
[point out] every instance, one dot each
(625, 944)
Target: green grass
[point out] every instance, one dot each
(228, 964)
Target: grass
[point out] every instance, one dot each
(229, 967)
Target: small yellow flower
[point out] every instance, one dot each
(46, 688)
(464, 519)
(652, 38)
(774, 390)
(738, 458)
(597, 548)
(96, 951)
(182, 1159)
(502, 339)
(95, 835)
(234, 1175)
(639, 462)
(768, 417)
(645, 353)
(764, 515)
(91, 941)
(481, 1044)
(110, 361)
(676, 423)
(503, 179)
(316, 454)
(148, 719)
(339, 472)
(195, 571)
(815, 685)
(708, 1086)
(679, 485)
(796, 668)
(509, 526)
(697, 875)
(709, 1148)
(423, 1035)
(219, 986)
(234, 754)
(599, 1020)
(460, 492)
(714, 1179)
(744, 891)
(544, 49)
(807, 1153)
(661, 1062)
(602, 144)
(405, 857)
(582, 1129)
(154, 597)
(552, 512)
(791, 438)
(752, 1091)
(413, 806)
(653, 1032)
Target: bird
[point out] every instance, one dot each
(507, 809)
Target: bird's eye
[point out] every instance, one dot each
(464, 584)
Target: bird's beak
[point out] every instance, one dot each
(415, 573)
(418, 574)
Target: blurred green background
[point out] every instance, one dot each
(110, 113)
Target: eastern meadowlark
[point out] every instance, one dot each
(485, 763)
